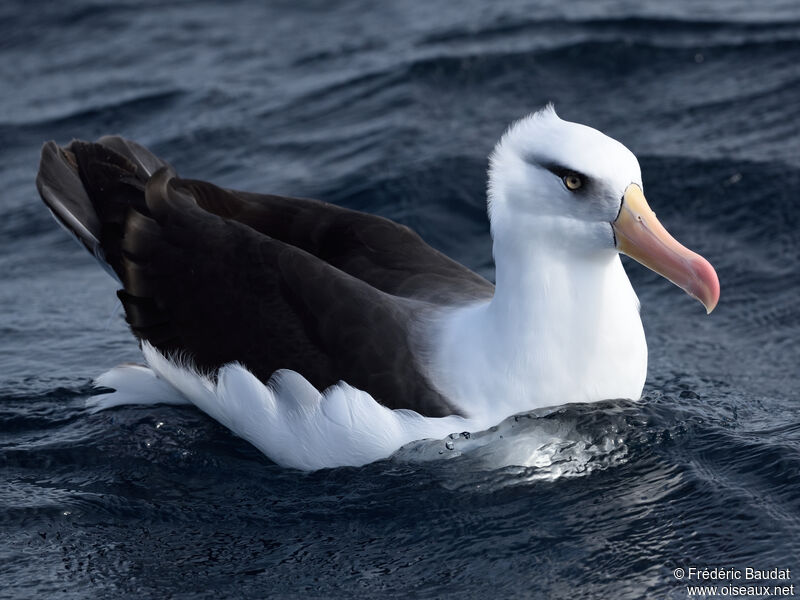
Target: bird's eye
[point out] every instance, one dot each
(572, 181)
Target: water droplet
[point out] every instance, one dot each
(453, 436)
(466, 435)
(449, 445)
(735, 178)
(159, 425)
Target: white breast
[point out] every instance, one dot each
(577, 337)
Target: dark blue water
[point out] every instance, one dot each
(393, 108)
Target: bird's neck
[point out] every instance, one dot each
(536, 285)
(561, 327)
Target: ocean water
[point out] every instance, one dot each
(393, 108)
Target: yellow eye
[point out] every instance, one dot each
(572, 181)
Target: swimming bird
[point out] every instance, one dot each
(327, 336)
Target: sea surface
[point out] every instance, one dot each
(392, 108)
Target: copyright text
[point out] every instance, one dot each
(728, 583)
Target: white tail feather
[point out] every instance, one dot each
(134, 384)
(288, 419)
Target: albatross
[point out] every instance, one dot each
(329, 337)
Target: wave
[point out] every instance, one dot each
(541, 445)
(626, 27)
(118, 110)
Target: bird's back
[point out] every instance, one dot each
(268, 281)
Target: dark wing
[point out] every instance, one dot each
(384, 254)
(227, 276)
(90, 188)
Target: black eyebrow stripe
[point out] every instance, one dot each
(555, 168)
(562, 171)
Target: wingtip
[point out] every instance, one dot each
(49, 152)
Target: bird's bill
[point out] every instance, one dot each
(640, 236)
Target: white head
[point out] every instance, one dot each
(533, 171)
(558, 186)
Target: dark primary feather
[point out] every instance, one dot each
(269, 281)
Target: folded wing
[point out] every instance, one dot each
(266, 281)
